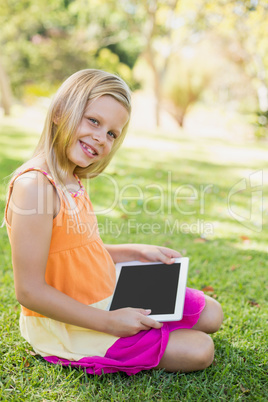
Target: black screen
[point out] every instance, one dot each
(147, 286)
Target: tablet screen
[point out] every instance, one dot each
(151, 286)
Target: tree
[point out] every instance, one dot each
(168, 26)
(43, 43)
(242, 27)
(5, 91)
(153, 20)
(184, 84)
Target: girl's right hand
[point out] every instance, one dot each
(129, 321)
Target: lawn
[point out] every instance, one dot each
(170, 190)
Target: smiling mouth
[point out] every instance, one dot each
(88, 148)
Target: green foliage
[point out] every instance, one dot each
(127, 51)
(45, 42)
(110, 62)
(243, 28)
(232, 260)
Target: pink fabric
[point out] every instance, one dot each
(142, 351)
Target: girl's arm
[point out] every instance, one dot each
(141, 252)
(31, 229)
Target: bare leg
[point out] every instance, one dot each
(211, 317)
(192, 349)
(187, 350)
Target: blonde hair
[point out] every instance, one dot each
(62, 121)
(65, 114)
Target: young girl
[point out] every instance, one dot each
(65, 276)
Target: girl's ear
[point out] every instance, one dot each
(56, 119)
(56, 116)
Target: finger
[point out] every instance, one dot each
(170, 261)
(143, 311)
(168, 256)
(169, 252)
(149, 322)
(174, 254)
(144, 327)
(166, 259)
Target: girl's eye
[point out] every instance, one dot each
(112, 135)
(94, 121)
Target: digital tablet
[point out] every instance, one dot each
(155, 286)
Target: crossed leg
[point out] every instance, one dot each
(192, 349)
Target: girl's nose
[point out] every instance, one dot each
(100, 136)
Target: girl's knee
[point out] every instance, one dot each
(217, 317)
(212, 316)
(188, 350)
(204, 355)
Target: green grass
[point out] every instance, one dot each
(224, 254)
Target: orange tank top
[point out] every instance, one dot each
(78, 263)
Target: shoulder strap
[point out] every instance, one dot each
(18, 174)
(33, 169)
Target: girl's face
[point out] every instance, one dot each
(103, 122)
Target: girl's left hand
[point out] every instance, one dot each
(148, 253)
(142, 252)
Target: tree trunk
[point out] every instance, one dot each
(5, 91)
(157, 92)
(178, 113)
(157, 84)
(262, 93)
(180, 118)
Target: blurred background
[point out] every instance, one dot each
(196, 65)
